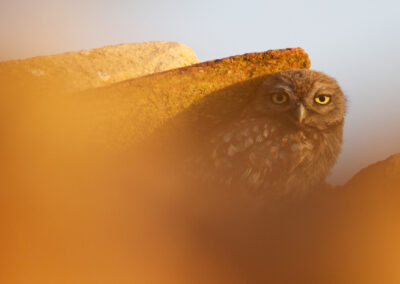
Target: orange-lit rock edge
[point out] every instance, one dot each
(209, 90)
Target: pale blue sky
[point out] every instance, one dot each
(357, 42)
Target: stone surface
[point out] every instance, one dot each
(381, 177)
(98, 67)
(193, 98)
(44, 121)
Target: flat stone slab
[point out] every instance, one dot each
(195, 97)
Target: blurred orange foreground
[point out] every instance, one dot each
(73, 210)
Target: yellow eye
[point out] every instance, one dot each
(279, 98)
(322, 99)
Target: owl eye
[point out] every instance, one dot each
(322, 99)
(279, 98)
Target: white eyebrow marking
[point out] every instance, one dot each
(318, 86)
(286, 88)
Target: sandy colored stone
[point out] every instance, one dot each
(46, 122)
(75, 71)
(194, 98)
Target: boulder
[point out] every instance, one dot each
(382, 177)
(93, 68)
(194, 98)
(43, 111)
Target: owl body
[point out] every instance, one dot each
(285, 141)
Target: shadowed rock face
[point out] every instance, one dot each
(380, 177)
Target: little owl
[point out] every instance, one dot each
(285, 140)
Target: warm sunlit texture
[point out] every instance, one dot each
(70, 213)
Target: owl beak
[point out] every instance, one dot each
(301, 113)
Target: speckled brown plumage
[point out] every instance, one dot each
(285, 140)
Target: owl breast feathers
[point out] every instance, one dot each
(285, 140)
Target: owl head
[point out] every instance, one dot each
(299, 98)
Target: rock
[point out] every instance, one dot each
(194, 98)
(205, 92)
(46, 121)
(379, 177)
(75, 71)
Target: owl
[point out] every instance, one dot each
(284, 141)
